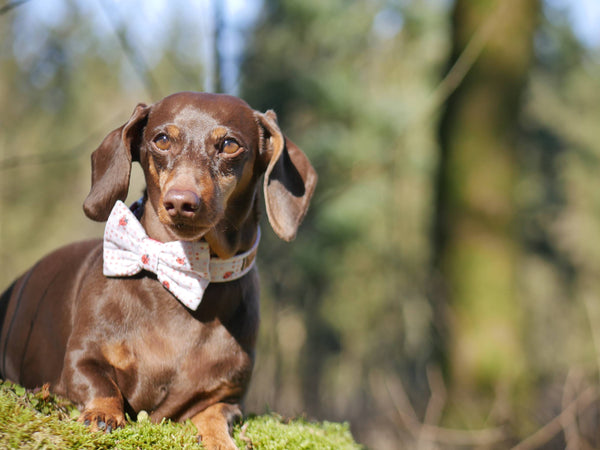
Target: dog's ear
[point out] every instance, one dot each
(111, 165)
(290, 179)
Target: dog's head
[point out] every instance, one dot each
(202, 156)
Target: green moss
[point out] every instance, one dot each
(38, 420)
(270, 432)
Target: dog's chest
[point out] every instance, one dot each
(164, 366)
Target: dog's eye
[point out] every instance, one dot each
(230, 146)
(162, 141)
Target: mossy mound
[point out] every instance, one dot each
(38, 420)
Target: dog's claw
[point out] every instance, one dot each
(101, 420)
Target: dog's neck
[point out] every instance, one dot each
(225, 240)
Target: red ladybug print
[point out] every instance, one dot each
(166, 284)
(180, 261)
(227, 275)
(145, 259)
(123, 221)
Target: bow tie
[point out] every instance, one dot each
(184, 268)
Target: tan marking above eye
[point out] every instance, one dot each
(218, 133)
(230, 146)
(173, 131)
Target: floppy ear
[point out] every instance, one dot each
(111, 166)
(290, 179)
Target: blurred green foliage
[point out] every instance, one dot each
(355, 325)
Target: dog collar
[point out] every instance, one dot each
(184, 268)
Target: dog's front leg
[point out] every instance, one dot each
(215, 424)
(89, 383)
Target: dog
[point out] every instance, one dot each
(115, 326)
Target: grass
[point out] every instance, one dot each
(39, 420)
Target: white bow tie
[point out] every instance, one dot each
(184, 268)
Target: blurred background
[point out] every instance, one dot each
(444, 289)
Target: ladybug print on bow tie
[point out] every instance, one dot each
(184, 268)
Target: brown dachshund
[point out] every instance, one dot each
(126, 340)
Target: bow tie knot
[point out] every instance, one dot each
(184, 268)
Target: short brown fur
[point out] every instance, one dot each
(116, 345)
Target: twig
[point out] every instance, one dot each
(552, 428)
(435, 406)
(425, 432)
(18, 161)
(569, 421)
(401, 402)
(72, 153)
(405, 421)
(246, 439)
(451, 81)
(588, 302)
(11, 5)
(437, 401)
(138, 62)
(472, 438)
(464, 62)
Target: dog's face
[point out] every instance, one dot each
(202, 156)
(199, 153)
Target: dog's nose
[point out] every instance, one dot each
(181, 203)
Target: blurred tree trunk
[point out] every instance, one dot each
(477, 246)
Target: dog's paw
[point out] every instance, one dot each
(101, 421)
(217, 442)
(214, 426)
(103, 416)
